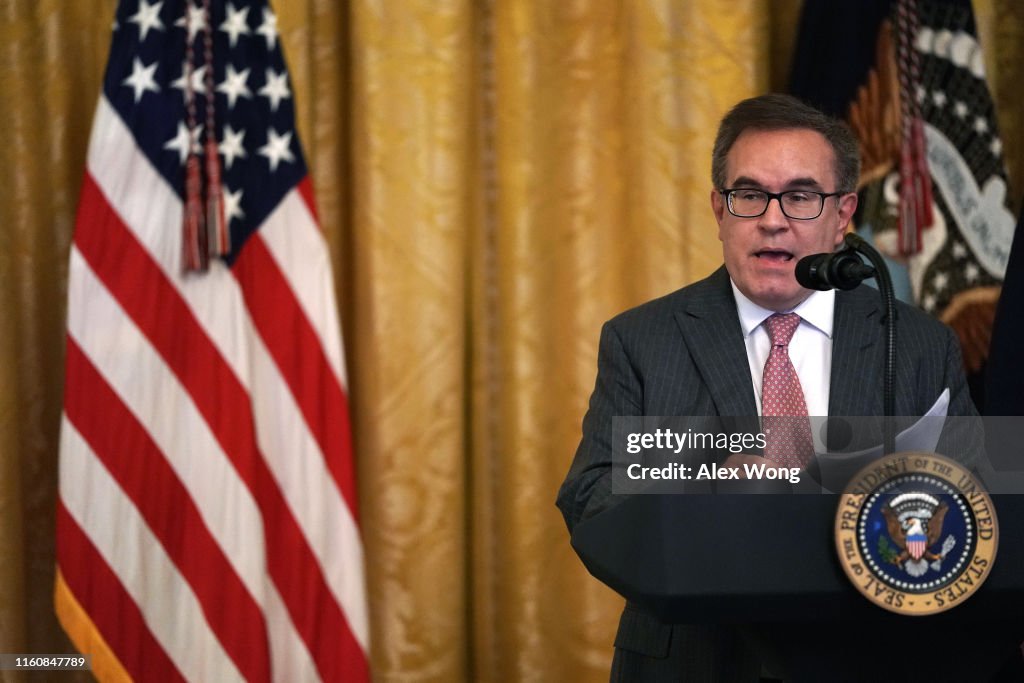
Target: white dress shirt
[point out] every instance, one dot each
(810, 350)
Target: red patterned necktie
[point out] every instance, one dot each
(784, 411)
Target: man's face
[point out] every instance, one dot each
(761, 253)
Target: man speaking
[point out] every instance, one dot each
(749, 340)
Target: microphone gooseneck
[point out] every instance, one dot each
(844, 269)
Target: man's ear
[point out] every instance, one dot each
(847, 207)
(718, 205)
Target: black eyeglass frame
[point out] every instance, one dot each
(727, 193)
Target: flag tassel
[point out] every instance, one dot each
(219, 238)
(923, 185)
(194, 244)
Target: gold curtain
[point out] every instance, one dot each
(495, 179)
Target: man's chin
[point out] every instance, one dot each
(776, 300)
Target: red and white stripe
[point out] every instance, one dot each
(207, 518)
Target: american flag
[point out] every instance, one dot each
(207, 526)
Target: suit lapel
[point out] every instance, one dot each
(711, 328)
(856, 349)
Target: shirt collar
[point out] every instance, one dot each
(818, 310)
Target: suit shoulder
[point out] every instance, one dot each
(909, 317)
(913, 316)
(914, 324)
(664, 308)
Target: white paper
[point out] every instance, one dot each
(838, 468)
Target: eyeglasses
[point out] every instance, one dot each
(802, 205)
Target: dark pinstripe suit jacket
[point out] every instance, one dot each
(683, 354)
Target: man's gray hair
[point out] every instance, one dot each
(781, 112)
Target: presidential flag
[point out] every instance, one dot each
(207, 523)
(909, 76)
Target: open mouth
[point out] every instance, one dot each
(774, 255)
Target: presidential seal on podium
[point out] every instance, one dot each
(916, 533)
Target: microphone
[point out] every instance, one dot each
(836, 270)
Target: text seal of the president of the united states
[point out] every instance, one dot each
(916, 533)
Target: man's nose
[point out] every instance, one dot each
(773, 218)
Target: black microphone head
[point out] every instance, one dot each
(846, 270)
(835, 270)
(808, 272)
